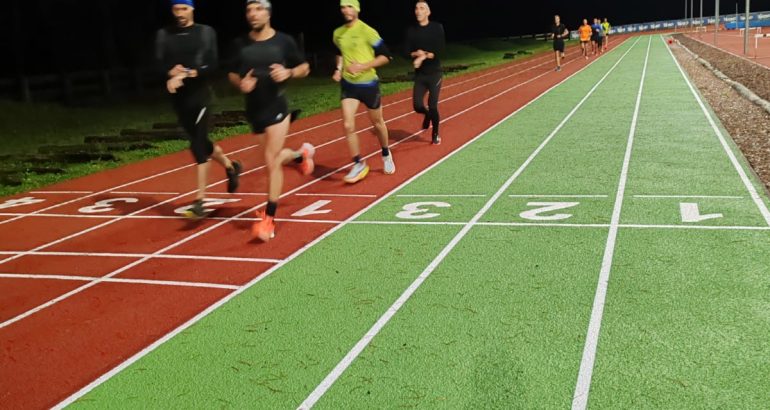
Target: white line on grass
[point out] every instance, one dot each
(144, 255)
(688, 197)
(133, 359)
(728, 150)
(340, 368)
(246, 212)
(558, 196)
(91, 194)
(583, 386)
(120, 280)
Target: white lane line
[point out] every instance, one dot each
(147, 193)
(159, 204)
(443, 196)
(150, 177)
(246, 212)
(558, 196)
(144, 255)
(119, 280)
(728, 150)
(583, 386)
(133, 359)
(688, 197)
(60, 192)
(338, 195)
(340, 368)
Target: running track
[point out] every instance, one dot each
(86, 284)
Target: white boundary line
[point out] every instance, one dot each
(328, 123)
(338, 195)
(728, 150)
(133, 359)
(583, 387)
(169, 200)
(144, 255)
(687, 197)
(340, 368)
(558, 196)
(119, 280)
(248, 211)
(443, 196)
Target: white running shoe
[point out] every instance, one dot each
(389, 166)
(359, 172)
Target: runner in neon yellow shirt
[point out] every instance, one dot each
(360, 51)
(606, 25)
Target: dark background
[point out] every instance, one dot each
(56, 36)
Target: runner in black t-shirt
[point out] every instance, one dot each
(264, 60)
(424, 43)
(559, 32)
(187, 54)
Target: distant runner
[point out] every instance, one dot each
(558, 32)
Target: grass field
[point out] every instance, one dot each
(606, 246)
(25, 127)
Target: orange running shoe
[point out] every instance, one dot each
(307, 165)
(264, 229)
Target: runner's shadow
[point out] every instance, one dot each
(400, 135)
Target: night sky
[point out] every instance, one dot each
(48, 36)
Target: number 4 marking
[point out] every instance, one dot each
(691, 213)
(545, 207)
(314, 209)
(207, 202)
(105, 205)
(20, 202)
(417, 210)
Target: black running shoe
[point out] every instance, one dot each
(426, 122)
(436, 139)
(233, 174)
(196, 211)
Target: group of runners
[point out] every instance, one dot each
(263, 62)
(594, 38)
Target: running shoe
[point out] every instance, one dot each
(436, 140)
(233, 175)
(307, 165)
(196, 211)
(359, 172)
(264, 228)
(389, 167)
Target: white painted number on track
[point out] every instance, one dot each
(105, 205)
(546, 207)
(691, 213)
(314, 209)
(418, 210)
(207, 202)
(11, 203)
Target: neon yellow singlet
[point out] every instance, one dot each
(357, 43)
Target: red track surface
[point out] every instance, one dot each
(48, 355)
(732, 42)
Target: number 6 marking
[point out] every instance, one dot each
(544, 207)
(417, 210)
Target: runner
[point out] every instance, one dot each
(606, 26)
(361, 51)
(585, 37)
(187, 54)
(558, 32)
(424, 43)
(599, 32)
(264, 60)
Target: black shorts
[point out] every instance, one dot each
(558, 45)
(595, 38)
(262, 116)
(600, 41)
(367, 94)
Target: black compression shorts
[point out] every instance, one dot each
(367, 94)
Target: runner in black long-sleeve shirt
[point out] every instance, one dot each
(424, 43)
(187, 54)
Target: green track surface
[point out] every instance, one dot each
(502, 321)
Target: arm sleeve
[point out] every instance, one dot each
(441, 42)
(160, 53)
(210, 60)
(378, 44)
